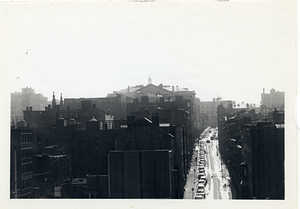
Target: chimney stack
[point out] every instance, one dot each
(155, 119)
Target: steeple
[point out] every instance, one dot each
(61, 104)
(149, 80)
(53, 102)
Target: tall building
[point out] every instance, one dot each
(16, 113)
(275, 99)
(27, 99)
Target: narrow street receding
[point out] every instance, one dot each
(208, 177)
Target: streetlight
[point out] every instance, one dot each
(193, 193)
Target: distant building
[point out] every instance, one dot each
(208, 111)
(275, 99)
(27, 99)
(62, 115)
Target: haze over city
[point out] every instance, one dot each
(89, 50)
(147, 141)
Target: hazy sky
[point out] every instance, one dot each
(230, 49)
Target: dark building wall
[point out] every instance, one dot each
(262, 145)
(50, 117)
(110, 105)
(116, 174)
(91, 147)
(253, 153)
(131, 163)
(97, 186)
(175, 112)
(140, 174)
(21, 164)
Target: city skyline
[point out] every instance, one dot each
(89, 49)
(216, 52)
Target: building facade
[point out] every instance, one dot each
(28, 98)
(252, 147)
(21, 164)
(275, 99)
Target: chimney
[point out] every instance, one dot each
(155, 119)
(27, 108)
(49, 107)
(30, 108)
(263, 90)
(173, 88)
(130, 121)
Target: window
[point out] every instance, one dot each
(22, 138)
(25, 184)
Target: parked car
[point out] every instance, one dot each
(201, 181)
(199, 196)
(200, 191)
(200, 186)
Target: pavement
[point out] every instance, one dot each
(190, 182)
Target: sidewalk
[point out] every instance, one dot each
(190, 182)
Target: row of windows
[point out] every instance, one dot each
(26, 153)
(26, 168)
(26, 183)
(26, 138)
(65, 115)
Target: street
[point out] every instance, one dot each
(216, 175)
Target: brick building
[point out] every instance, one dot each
(253, 150)
(142, 166)
(21, 164)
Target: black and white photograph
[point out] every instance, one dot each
(148, 104)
